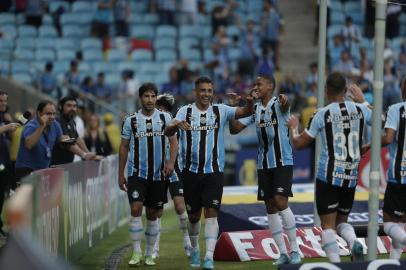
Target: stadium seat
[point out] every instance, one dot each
(234, 54)
(86, 18)
(83, 6)
(9, 31)
(395, 43)
(92, 55)
(24, 54)
(26, 43)
(7, 19)
(367, 43)
(19, 66)
(164, 43)
(189, 31)
(161, 78)
(195, 65)
(188, 43)
(203, 19)
(27, 31)
(91, 43)
(4, 67)
(138, 6)
(65, 43)
(333, 30)
(117, 55)
(61, 66)
(146, 77)
(84, 67)
(150, 68)
(6, 44)
(45, 55)
(166, 31)
(101, 66)
(151, 18)
(70, 18)
(38, 66)
(206, 32)
(207, 54)
(254, 5)
(141, 55)
(65, 55)
(233, 30)
(44, 43)
(23, 77)
(47, 20)
(127, 66)
(337, 18)
(72, 31)
(54, 5)
(163, 55)
(142, 31)
(336, 6)
(113, 79)
(352, 6)
(190, 55)
(48, 31)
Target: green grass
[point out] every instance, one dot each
(172, 256)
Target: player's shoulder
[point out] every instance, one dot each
(397, 106)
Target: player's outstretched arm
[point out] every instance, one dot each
(122, 161)
(388, 136)
(299, 141)
(247, 110)
(236, 126)
(173, 152)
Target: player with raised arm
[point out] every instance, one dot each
(341, 125)
(274, 163)
(201, 141)
(143, 137)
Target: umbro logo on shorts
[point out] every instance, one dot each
(181, 191)
(188, 207)
(280, 189)
(135, 194)
(398, 213)
(215, 202)
(332, 206)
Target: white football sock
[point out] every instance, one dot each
(275, 227)
(394, 231)
(135, 229)
(194, 231)
(211, 231)
(330, 246)
(158, 238)
(151, 232)
(347, 232)
(183, 221)
(289, 224)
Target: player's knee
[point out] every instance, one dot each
(179, 209)
(152, 214)
(280, 203)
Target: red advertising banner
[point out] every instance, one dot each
(363, 175)
(259, 245)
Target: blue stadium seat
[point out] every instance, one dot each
(101, 66)
(42, 43)
(24, 54)
(141, 55)
(9, 31)
(151, 18)
(333, 30)
(65, 55)
(136, 18)
(25, 43)
(117, 55)
(143, 31)
(188, 43)
(83, 6)
(337, 6)
(92, 55)
(146, 77)
(206, 32)
(233, 30)
(22, 77)
(47, 20)
(396, 42)
(86, 18)
(54, 5)
(45, 55)
(367, 43)
(164, 43)
(357, 17)
(84, 67)
(207, 54)
(113, 79)
(166, 30)
(189, 31)
(150, 68)
(165, 55)
(38, 66)
(254, 5)
(234, 54)
(195, 65)
(337, 18)
(351, 6)
(138, 6)
(19, 66)
(7, 19)
(70, 18)
(48, 31)
(203, 19)
(62, 66)
(161, 78)
(127, 66)
(91, 43)
(65, 43)
(72, 31)
(6, 44)
(4, 67)
(190, 55)
(27, 31)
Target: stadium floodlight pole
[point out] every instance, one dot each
(320, 87)
(375, 174)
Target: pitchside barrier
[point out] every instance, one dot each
(76, 205)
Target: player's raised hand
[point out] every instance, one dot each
(292, 122)
(122, 183)
(183, 125)
(233, 98)
(168, 169)
(283, 99)
(355, 93)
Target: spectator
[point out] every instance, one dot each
(220, 16)
(5, 5)
(249, 47)
(265, 65)
(87, 85)
(391, 91)
(188, 11)
(271, 27)
(48, 82)
(101, 89)
(351, 34)
(96, 139)
(128, 91)
(112, 131)
(218, 67)
(312, 77)
(173, 86)
(6, 129)
(240, 85)
(401, 65)
(392, 20)
(308, 111)
(72, 77)
(166, 11)
(336, 49)
(121, 14)
(34, 11)
(67, 107)
(345, 64)
(101, 21)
